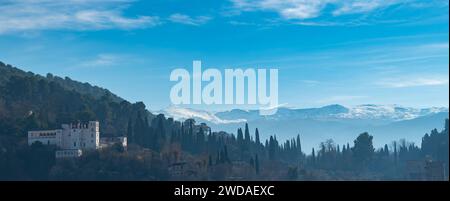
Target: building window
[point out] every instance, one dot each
(75, 144)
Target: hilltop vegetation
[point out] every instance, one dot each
(47, 102)
(157, 143)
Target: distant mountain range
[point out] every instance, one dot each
(61, 99)
(385, 113)
(385, 122)
(361, 112)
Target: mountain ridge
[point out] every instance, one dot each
(47, 102)
(7, 71)
(387, 123)
(328, 112)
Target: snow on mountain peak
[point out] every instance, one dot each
(361, 112)
(390, 112)
(181, 113)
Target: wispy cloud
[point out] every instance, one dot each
(305, 12)
(102, 60)
(304, 9)
(310, 83)
(31, 15)
(186, 19)
(384, 52)
(358, 6)
(403, 82)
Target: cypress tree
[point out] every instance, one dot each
(256, 164)
(386, 150)
(130, 136)
(257, 137)
(210, 160)
(313, 155)
(299, 145)
(247, 137)
(240, 138)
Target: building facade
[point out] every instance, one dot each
(81, 136)
(68, 153)
(47, 137)
(71, 140)
(110, 141)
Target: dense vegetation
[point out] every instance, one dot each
(157, 143)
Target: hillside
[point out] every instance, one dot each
(30, 101)
(7, 71)
(256, 151)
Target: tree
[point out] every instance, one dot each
(256, 164)
(240, 138)
(85, 116)
(257, 137)
(386, 150)
(118, 147)
(130, 136)
(363, 149)
(272, 146)
(292, 173)
(210, 163)
(246, 137)
(139, 130)
(299, 145)
(395, 153)
(225, 151)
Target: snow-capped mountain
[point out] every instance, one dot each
(180, 113)
(385, 122)
(389, 112)
(330, 112)
(336, 112)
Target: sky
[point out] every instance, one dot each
(347, 52)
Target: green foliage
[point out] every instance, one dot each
(26, 162)
(363, 150)
(31, 102)
(292, 173)
(111, 164)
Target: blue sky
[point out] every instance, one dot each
(348, 52)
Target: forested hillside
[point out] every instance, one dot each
(47, 102)
(8, 71)
(157, 144)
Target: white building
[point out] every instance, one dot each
(48, 137)
(109, 141)
(81, 136)
(68, 153)
(72, 139)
